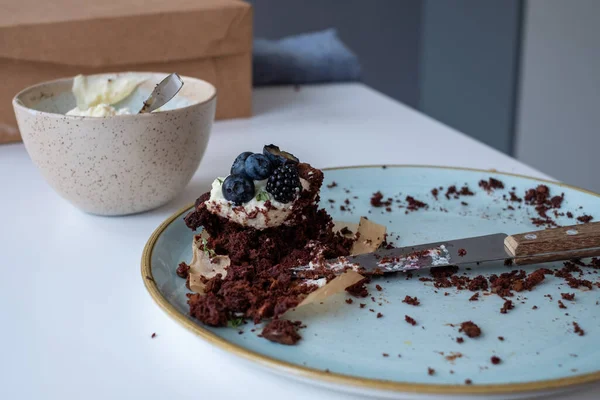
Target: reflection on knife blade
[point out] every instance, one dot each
(377, 264)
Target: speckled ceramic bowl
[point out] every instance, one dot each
(121, 164)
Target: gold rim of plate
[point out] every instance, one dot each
(347, 380)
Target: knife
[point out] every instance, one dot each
(557, 244)
(162, 93)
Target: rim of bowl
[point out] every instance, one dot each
(16, 101)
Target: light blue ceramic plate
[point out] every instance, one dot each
(343, 345)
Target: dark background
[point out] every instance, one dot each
(454, 60)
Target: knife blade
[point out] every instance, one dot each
(482, 248)
(526, 248)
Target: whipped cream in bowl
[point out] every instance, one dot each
(262, 212)
(100, 110)
(96, 95)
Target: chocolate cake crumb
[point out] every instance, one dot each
(452, 192)
(332, 185)
(478, 283)
(534, 307)
(465, 191)
(430, 371)
(514, 197)
(508, 262)
(462, 252)
(501, 338)
(343, 208)
(585, 218)
(460, 340)
(379, 288)
(475, 297)
(331, 200)
(349, 301)
(213, 285)
(358, 289)
(540, 198)
(371, 310)
(569, 214)
(578, 329)
(282, 331)
(543, 222)
(508, 305)
(561, 304)
(413, 301)
(183, 270)
(567, 274)
(345, 231)
(377, 200)
(470, 329)
(491, 184)
(209, 309)
(496, 360)
(410, 320)
(468, 382)
(435, 193)
(379, 315)
(568, 296)
(362, 305)
(153, 335)
(385, 354)
(414, 205)
(464, 203)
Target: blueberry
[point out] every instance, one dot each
(278, 156)
(258, 167)
(238, 164)
(238, 189)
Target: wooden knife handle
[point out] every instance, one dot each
(536, 247)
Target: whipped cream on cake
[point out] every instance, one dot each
(263, 211)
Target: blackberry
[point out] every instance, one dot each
(284, 183)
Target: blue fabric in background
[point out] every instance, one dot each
(308, 58)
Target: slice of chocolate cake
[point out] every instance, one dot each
(265, 218)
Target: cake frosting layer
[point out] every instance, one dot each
(262, 212)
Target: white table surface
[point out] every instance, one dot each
(76, 318)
